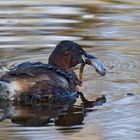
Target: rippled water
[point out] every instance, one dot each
(110, 29)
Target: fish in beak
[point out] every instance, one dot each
(94, 62)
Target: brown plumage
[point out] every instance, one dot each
(55, 81)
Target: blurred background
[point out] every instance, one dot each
(108, 29)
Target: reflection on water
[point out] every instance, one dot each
(42, 114)
(66, 118)
(29, 30)
(37, 113)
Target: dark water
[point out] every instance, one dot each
(109, 29)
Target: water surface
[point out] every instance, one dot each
(109, 29)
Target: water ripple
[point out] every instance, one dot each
(108, 29)
(122, 62)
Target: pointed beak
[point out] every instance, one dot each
(94, 62)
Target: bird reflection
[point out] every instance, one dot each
(39, 114)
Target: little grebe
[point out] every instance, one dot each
(50, 82)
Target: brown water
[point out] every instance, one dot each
(109, 29)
